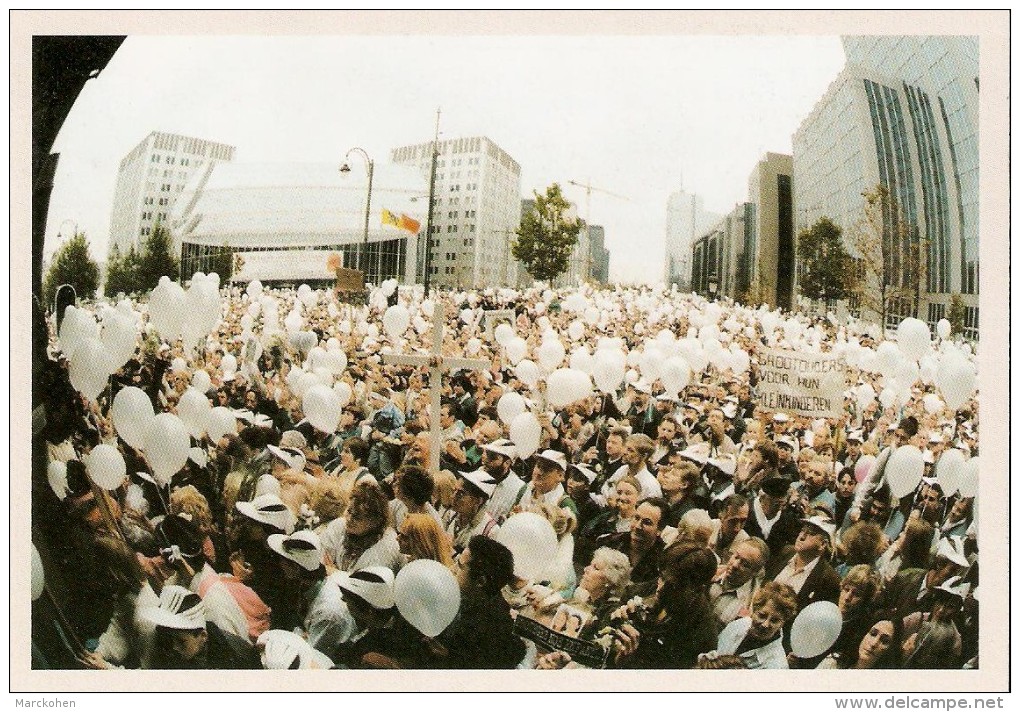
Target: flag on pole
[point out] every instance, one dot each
(409, 223)
(389, 218)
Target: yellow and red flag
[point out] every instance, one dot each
(389, 218)
(409, 223)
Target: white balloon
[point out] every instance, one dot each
(427, 596)
(335, 362)
(933, 404)
(675, 375)
(78, 325)
(949, 471)
(88, 370)
(503, 333)
(576, 330)
(228, 364)
(565, 386)
(943, 328)
(913, 338)
(200, 381)
(222, 421)
(473, 346)
(343, 393)
(321, 406)
(957, 379)
(904, 469)
(815, 629)
(529, 372)
(581, 360)
(888, 356)
(516, 349)
(525, 432)
(167, 312)
(178, 365)
(531, 539)
(166, 446)
(304, 383)
(132, 414)
(509, 406)
(388, 287)
(396, 320)
(38, 579)
(56, 475)
(193, 409)
(551, 354)
(969, 478)
(105, 466)
(119, 338)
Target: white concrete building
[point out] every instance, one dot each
(686, 221)
(150, 178)
(476, 211)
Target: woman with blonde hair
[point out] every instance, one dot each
(421, 537)
(193, 505)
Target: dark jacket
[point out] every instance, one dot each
(822, 584)
(482, 637)
(783, 533)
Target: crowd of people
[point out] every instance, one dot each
(689, 528)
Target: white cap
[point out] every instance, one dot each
(585, 471)
(481, 482)
(698, 452)
(954, 587)
(291, 457)
(821, 523)
(555, 457)
(503, 447)
(726, 462)
(302, 547)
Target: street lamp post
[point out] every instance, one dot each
(346, 168)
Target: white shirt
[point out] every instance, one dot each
(483, 524)
(764, 522)
(796, 579)
(553, 497)
(770, 656)
(649, 485)
(385, 552)
(329, 623)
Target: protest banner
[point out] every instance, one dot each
(810, 385)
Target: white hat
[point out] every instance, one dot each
(503, 447)
(285, 650)
(555, 457)
(730, 410)
(292, 458)
(698, 452)
(373, 584)
(667, 397)
(780, 417)
(951, 549)
(481, 482)
(789, 442)
(269, 509)
(643, 386)
(585, 471)
(928, 457)
(954, 587)
(178, 608)
(828, 527)
(855, 436)
(726, 462)
(302, 547)
(935, 437)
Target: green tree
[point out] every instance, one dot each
(957, 316)
(547, 236)
(890, 258)
(72, 264)
(120, 272)
(157, 260)
(826, 268)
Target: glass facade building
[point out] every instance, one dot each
(284, 220)
(902, 114)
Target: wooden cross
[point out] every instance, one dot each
(437, 363)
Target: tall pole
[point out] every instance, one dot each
(368, 212)
(432, 200)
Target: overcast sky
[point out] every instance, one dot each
(631, 115)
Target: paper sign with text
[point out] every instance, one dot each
(810, 385)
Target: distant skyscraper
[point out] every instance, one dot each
(476, 211)
(686, 220)
(150, 178)
(769, 259)
(599, 255)
(903, 113)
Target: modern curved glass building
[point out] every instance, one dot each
(281, 223)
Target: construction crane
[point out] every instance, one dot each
(588, 188)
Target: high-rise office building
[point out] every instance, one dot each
(719, 256)
(766, 272)
(686, 220)
(903, 114)
(150, 178)
(599, 255)
(475, 213)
